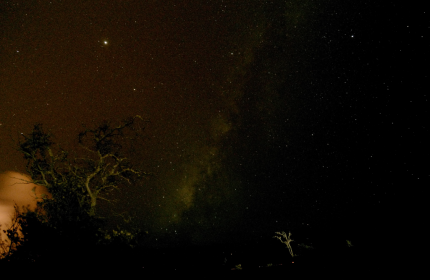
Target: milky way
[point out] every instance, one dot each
(262, 115)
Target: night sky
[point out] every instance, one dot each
(263, 116)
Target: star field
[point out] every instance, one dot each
(263, 115)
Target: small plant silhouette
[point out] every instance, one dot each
(309, 247)
(286, 240)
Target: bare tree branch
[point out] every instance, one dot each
(286, 240)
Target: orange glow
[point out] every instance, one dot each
(15, 188)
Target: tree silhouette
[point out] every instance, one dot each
(68, 215)
(80, 182)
